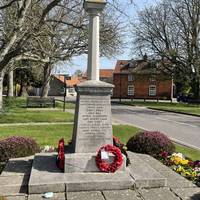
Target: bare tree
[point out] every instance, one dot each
(171, 30)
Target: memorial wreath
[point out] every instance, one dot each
(61, 154)
(103, 164)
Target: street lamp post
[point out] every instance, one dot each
(66, 77)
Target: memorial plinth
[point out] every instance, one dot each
(93, 126)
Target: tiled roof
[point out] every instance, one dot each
(118, 65)
(137, 66)
(72, 82)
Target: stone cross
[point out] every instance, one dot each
(93, 8)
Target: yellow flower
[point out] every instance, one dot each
(176, 160)
(184, 162)
(179, 169)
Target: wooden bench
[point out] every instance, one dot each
(40, 102)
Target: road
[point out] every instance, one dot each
(181, 128)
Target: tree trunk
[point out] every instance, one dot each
(10, 84)
(46, 82)
(1, 90)
(23, 90)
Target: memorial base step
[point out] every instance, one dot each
(46, 177)
(85, 162)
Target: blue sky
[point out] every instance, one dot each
(80, 62)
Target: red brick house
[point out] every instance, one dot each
(141, 79)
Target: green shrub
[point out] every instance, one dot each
(16, 146)
(152, 143)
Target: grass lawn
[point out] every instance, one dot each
(16, 112)
(36, 116)
(50, 134)
(43, 134)
(177, 107)
(188, 152)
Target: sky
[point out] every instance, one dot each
(80, 62)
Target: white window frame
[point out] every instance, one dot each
(131, 90)
(152, 90)
(71, 90)
(130, 77)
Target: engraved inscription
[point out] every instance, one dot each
(94, 118)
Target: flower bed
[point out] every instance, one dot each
(182, 165)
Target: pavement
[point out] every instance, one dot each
(183, 129)
(147, 172)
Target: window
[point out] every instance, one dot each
(130, 77)
(152, 90)
(71, 90)
(130, 90)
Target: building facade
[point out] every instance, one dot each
(58, 83)
(141, 79)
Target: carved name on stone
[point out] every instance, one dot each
(94, 127)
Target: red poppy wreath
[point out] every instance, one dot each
(103, 165)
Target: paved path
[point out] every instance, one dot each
(184, 129)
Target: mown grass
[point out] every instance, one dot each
(36, 116)
(50, 134)
(43, 134)
(16, 112)
(188, 152)
(176, 107)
